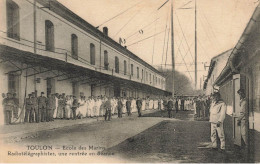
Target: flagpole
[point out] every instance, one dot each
(172, 46)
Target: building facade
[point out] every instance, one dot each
(243, 72)
(217, 64)
(45, 47)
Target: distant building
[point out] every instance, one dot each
(216, 66)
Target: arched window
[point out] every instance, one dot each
(106, 60)
(13, 20)
(49, 36)
(137, 70)
(116, 64)
(125, 66)
(132, 69)
(92, 54)
(74, 46)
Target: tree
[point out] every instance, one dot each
(182, 84)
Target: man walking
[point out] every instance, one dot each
(170, 107)
(107, 107)
(120, 107)
(217, 117)
(75, 105)
(128, 107)
(139, 106)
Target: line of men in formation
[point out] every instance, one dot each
(41, 109)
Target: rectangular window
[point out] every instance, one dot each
(13, 20)
(125, 66)
(74, 46)
(132, 69)
(137, 69)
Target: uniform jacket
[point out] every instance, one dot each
(139, 104)
(8, 104)
(120, 104)
(170, 105)
(218, 112)
(42, 101)
(108, 105)
(28, 103)
(243, 112)
(128, 104)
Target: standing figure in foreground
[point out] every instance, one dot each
(242, 120)
(217, 117)
(8, 104)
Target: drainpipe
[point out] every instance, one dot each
(35, 35)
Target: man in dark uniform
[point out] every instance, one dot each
(8, 104)
(182, 104)
(28, 106)
(165, 103)
(49, 107)
(42, 107)
(139, 106)
(35, 110)
(128, 107)
(170, 108)
(198, 107)
(176, 105)
(119, 107)
(75, 105)
(16, 108)
(107, 107)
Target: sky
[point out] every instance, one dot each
(146, 30)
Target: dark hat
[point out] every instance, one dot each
(241, 91)
(42, 92)
(216, 94)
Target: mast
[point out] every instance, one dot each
(172, 46)
(196, 45)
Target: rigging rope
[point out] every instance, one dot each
(119, 14)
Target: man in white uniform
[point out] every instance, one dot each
(217, 116)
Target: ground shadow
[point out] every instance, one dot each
(181, 115)
(174, 141)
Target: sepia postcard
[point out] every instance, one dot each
(130, 81)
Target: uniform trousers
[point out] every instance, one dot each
(170, 113)
(128, 111)
(108, 115)
(220, 132)
(74, 116)
(139, 111)
(119, 112)
(243, 130)
(32, 113)
(49, 115)
(27, 114)
(7, 117)
(42, 112)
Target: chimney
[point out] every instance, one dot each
(105, 31)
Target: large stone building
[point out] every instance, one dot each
(48, 48)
